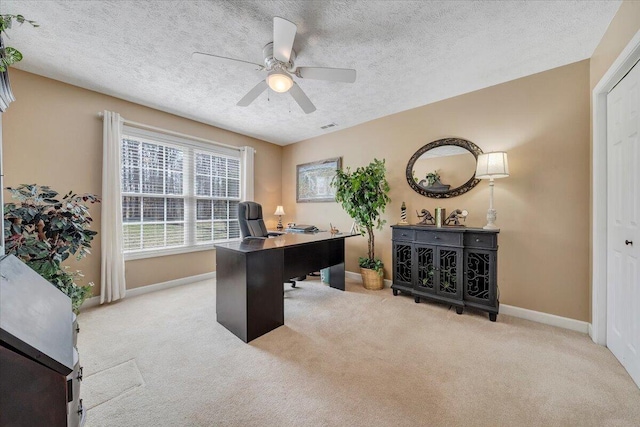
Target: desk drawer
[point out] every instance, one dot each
(439, 238)
(403, 234)
(481, 240)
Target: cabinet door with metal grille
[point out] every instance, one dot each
(449, 272)
(424, 269)
(479, 271)
(402, 264)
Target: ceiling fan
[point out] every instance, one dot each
(279, 62)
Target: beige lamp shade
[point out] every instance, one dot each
(492, 165)
(279, 211)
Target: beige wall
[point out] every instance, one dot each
(624, 25)
(542, 121)
(52, 136)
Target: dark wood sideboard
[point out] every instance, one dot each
(40, 369)
(452, 265)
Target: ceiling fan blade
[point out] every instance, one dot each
(345, 75)
(253, 94)
(284, 32)
(301, 98)
(216, 60)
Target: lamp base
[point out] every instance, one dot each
(279, 227)
(491, 219)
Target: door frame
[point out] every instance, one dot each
(620, 67)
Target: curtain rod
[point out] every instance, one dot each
(174, 133)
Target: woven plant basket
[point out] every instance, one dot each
(371, 279)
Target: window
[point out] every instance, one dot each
(177, 195)
(217, 188)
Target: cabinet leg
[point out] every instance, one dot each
(417, 300)
(493, 316)
(395, 292)
(459, 310)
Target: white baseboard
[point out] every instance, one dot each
(94, 301)
(90, 302)
(546, 318)
(522, 313)
(353, 276)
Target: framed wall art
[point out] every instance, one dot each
(313, 180)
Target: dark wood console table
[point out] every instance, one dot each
(250, 276)
(453, 265)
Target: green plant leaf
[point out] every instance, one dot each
(363, 195)
(372, 264)
(44, 235)
(11, 55)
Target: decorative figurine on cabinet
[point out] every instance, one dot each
(426, 218)
(403, 214)
(455, 216)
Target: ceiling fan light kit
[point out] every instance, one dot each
(279, 58)
(279, 81)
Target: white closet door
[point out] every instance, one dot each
(623, 216)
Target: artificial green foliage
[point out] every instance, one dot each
(432, 177)
(10, 55)
(44, 230)
(372, 264)
(363, 195)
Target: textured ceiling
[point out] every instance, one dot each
(406, 53)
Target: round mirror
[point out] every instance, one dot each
(444, 168)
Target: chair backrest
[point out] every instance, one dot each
(250, 220)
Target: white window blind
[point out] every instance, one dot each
(177, 195)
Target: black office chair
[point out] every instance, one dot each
(251, 221)
(252, 226)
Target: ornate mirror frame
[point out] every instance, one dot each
(472, 182)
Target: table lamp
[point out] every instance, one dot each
(279, 211)
(491, 166)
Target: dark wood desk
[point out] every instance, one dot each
(250, 276)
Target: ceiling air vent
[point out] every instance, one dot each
(330, 125)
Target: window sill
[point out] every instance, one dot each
(154, 253)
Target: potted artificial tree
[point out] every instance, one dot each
(363, 195)
(43, 230)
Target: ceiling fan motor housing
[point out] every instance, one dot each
(272, 63)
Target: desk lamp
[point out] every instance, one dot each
(491, 166)
(279, 211)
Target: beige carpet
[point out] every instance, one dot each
(110, 383)
(354, 358)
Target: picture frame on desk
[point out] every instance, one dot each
(354, 228)
(313, 180)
